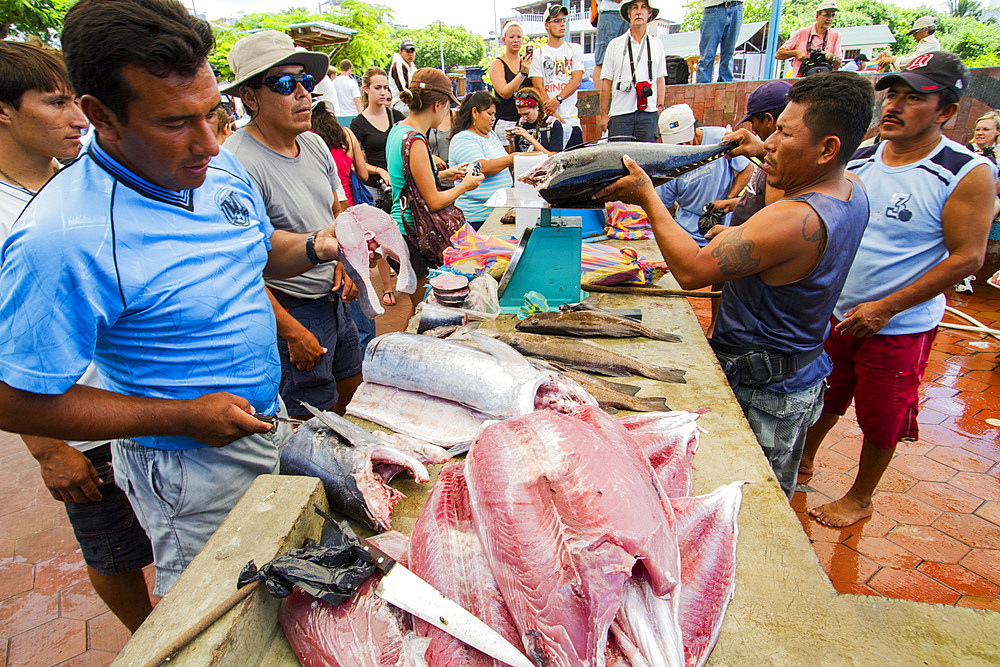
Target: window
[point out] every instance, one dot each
(851, 54)
(739, 67)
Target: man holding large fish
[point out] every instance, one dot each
(784, 268)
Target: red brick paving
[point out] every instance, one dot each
(935, 534)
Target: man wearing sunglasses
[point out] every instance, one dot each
(401, 72)
(146, 256)
(293, 169)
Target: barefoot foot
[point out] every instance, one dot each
(806, 468)
(841, 513)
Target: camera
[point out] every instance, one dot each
(816, 63)
(643, 91)
(477, 168)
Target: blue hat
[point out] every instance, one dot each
(769, 95)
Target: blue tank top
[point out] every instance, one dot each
(794, 318)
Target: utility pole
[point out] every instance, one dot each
(440, 23)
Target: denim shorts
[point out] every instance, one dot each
(110, 536)
(330, 322)
(780, 422)
(182, 496)
(610, 24)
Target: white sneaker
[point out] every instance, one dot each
(965, 287)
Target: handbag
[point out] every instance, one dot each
(429, 231)
(360, 192)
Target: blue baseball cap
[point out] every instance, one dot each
(769, 95)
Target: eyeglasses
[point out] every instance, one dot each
(285, 84)
(559, 20)
(829, 13)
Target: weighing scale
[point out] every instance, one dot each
(547, 258)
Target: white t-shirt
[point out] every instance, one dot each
(556, 66)
(926, 45)
(327, 92)
(400, 75)
(616, 69)
(347, 91)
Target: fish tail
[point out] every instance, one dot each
(663, 335)
(653, 404)
(667, 374)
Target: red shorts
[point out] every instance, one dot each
(882, 374)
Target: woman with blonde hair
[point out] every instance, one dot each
(508, 73)
(985, 136)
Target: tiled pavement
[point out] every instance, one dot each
(935, 535)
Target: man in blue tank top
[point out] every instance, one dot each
(784, 267)
(931, 210)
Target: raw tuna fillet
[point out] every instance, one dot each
(363, 632)
(446, 552)
(429, 418)
(568, 510)
(669, 440)
(707, 532)
(365, 227)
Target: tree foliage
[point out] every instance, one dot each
(41, 18)
(970, 8)
(461, 47)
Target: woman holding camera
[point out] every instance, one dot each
(473, 140)
(509, 72)
(535, 130)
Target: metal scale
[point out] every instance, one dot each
(548, 256)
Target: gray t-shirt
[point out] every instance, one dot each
(298, 192)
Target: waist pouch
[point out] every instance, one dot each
(757, 366)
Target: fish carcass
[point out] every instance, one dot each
(445, 551)
(436, 420)
(587, 356)
(359, 229)
(669, 440)
(612, 394)
(494, 380)
(568, 511)
(365, 631)
(707, 531)
(587, 322)
(354, 466)
(575, 176)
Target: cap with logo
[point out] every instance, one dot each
(407, 44)
(766, 97)
(923, 22)
(263, 50)
(624, 8)
(431, 78)
(931, 73)
(554, 10)
(676, 124)
(825, 5)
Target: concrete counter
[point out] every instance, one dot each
(785, 610)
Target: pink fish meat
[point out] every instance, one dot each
(359, 229)
(670, 440)
(707, 532)
(445, 551)
(568, 510)
(365, 631)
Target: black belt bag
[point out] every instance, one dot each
(758, 367)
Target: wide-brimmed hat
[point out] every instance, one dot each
(263, 50)
(923, 22)
(431, 78)
(624, 7)
(676, 124)
(931, 73)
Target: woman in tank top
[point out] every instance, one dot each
(508, 73)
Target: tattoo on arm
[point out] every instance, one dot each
(639, 183)
(818, 236)
(734, 255)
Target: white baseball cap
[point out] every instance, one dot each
(676, 124)
(923, 22)
(827, 4)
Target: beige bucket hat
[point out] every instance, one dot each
(263, 50)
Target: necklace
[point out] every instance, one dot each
(11, 179)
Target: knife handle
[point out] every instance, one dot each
(378, 558)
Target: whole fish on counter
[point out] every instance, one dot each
(587, 356)
(575, 176)
(591, 323)
(354, 466)
(613, 394)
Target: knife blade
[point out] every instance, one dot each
(401, 588)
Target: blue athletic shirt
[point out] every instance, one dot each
(905, 236)
(162, 289)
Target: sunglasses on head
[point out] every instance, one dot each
(285, 84)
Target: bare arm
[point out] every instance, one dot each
(68, 475)
(661, 91)
(574, 82)
(504, 88)
(88, 413)
(966, 220)
(740, 182)
(303, 348)
(360, 164)
(357, 103)
(605, 103)
(497, 164)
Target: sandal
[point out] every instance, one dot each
(389, 298)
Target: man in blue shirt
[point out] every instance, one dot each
(147, 256)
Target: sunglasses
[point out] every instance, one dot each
(560, 20)
(285, 84)
(410, 50)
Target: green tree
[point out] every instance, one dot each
(971, 8)
(461, 47)
(42, 18)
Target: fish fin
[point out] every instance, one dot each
(608, 408)
(498, 349)
(610, 372)
(459, 449)
(668, 374)
(463, 331)
(622, 388)
(663, 335)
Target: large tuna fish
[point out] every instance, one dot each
(579, 537)
(575, 176)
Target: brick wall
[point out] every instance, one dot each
(725, 103)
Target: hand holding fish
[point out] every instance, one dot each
(325, 244)
(218, 419)
(636, 188)
(748, 143)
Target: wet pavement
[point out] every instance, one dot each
(934, 537)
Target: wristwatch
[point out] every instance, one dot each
(311, 249)
(559, 99)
